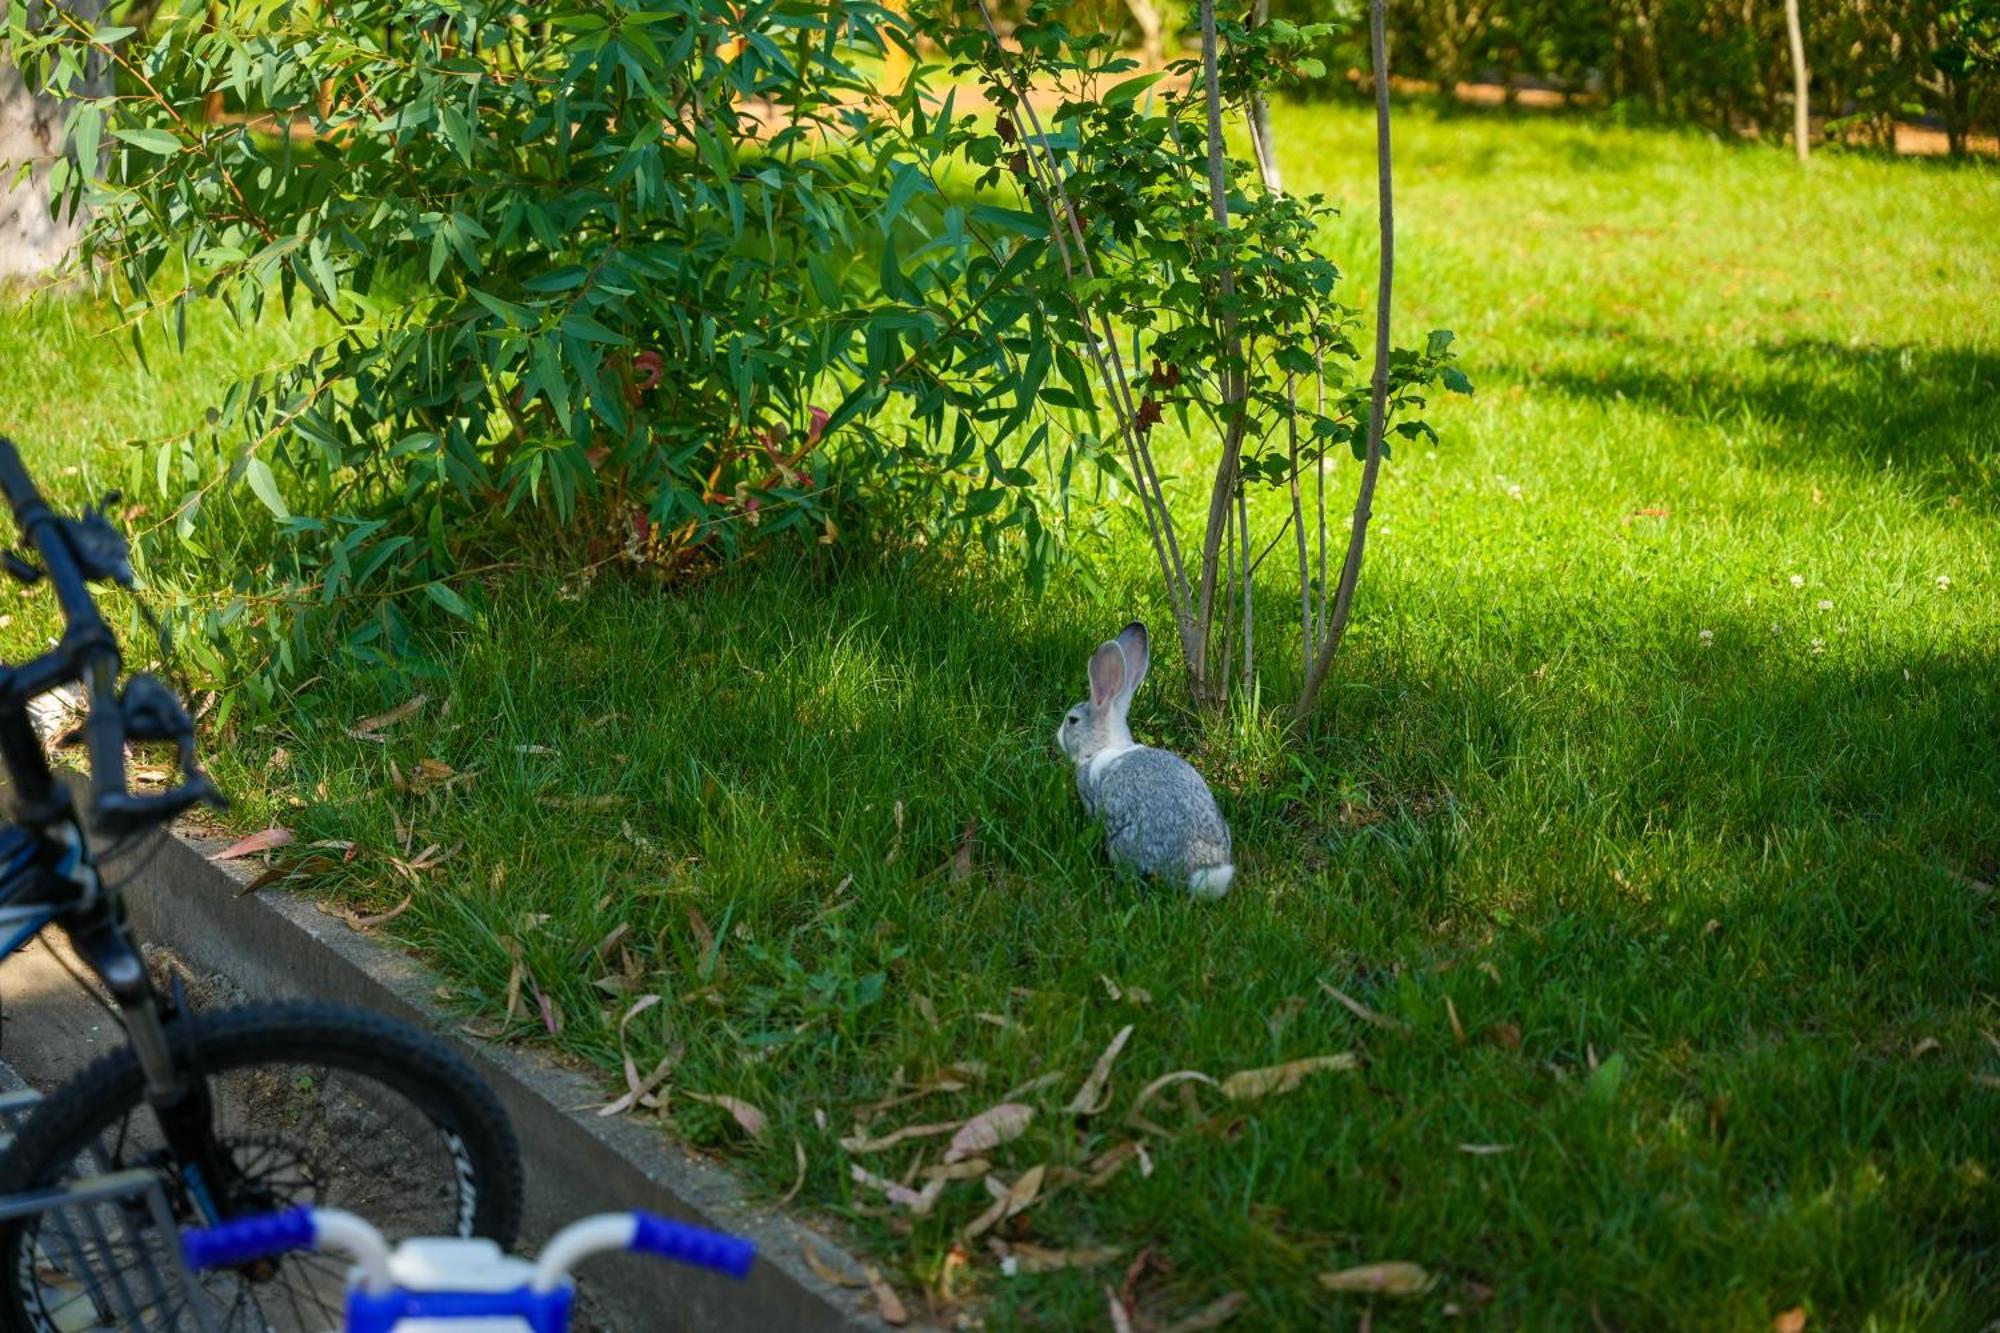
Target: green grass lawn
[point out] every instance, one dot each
(1654, 809)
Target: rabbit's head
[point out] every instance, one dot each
(1098, 723)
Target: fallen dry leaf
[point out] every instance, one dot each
(989, 1129)
(799, 1181)
(306, 869)
(703, 936)
(607, 802)
(1789, 1321)
(1163, 1082)
(887, 1303)
(641, 1089)
(1121, 1318)
(1090, 1098)
(970, 1169)
(367, 727)
(1213, 1315)
(862, 1144)
(1109, 1164)
(1011, 1199)
(1485, 1149)
(1386, 1279)
(268, 840)
(1025, 1258)
(749, 1117)
(383, 918)
(1147, 1261)
(917, 1201)
(961, 860)
(825, 1271)
(1034, 1085)
(1925, 1047)
(1268, 1082)
(1457, 1028)
(1507, 1036)
(1362, 1011)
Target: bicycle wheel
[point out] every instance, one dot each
(316, 1105)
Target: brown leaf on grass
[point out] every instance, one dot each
(1249, 1084)
(1362, 1011)
(1090, 1098)
(1108, 1164)
(1386, 1279)
(1213, 1315)
(1789, 1321)
(1034, 1085)
(552, 1015)
(268, 840)
(1457, 1028)
(1160, 1084)
(1485, 1149)
(1026, 1258)
(1121, 1318)
(799, 1181)
(1925, 1047)
(703, 936)
(367, 727)
(917, 1201)
(970, 1169)
(1021, 1195)
(860, 1143)
(989, 1129)
(825, 1271)
(609, 801)
(1507, 1036)
(961, 860)
(383, 918)
(306, 869)
(926, 1009)
(1146, 1261)
(887, 1303)
(642, 1090)
(751, 1119)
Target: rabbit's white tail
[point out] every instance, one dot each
(1211, 881)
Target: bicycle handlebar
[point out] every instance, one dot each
(73, 553)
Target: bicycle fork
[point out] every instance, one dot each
(175, 1087)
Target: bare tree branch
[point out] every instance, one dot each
(1357, 538)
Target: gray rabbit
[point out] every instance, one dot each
(1159, 816)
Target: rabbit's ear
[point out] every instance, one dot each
(1137, 650)
(1107, 674)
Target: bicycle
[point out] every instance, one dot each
(242, 1110)
(434, 1285)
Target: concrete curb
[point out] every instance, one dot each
(276, 945)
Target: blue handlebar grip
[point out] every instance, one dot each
(248, 1238)
(693, 1245)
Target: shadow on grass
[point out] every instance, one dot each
(1926, 414)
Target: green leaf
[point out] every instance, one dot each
(1606, 1079)
(449, 600)
(85, 127)
(150, 141)
(1455, 380)
(1438, 342)
(1122, 93)
(265, 486)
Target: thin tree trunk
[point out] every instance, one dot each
(1231, 377)
(1801, 82)
(1260, 119)
(1350, 572)
(1151, 31)
(34, 239)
